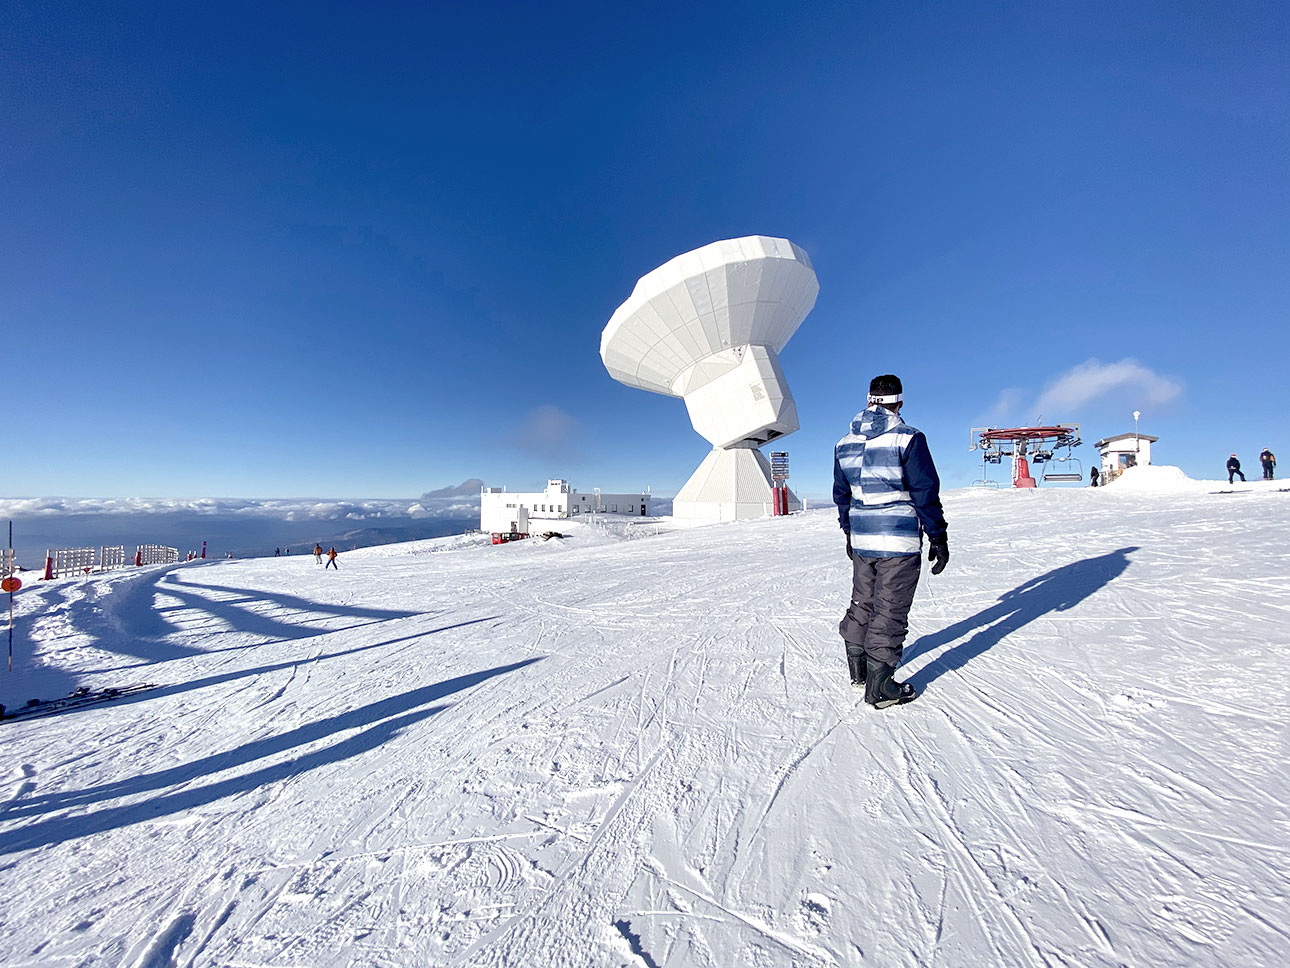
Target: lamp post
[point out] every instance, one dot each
(1137, 443)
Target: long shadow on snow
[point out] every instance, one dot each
(402, 708)
(173, 689)
(1056, 591)
(33, 678)
(147, 625)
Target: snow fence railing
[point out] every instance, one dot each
(69, 561)
(61, 562)
(156, 555)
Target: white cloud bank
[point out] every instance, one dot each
(1124, 383)
(307, 509)
(1126, 380)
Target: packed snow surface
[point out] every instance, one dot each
(597, 751)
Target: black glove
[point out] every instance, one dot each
(938, 553)
(850, 553)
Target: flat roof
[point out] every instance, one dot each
(1108, 440)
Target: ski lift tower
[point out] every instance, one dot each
(778, 475)
(1027, 445)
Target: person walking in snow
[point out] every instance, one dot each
(318, 556)
(331, 559)
(1093, 476)
(1269, 462)
(1234, 469)
(888, 496)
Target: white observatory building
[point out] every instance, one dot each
(708, 327)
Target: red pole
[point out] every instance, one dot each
(49, 566)
(203, 549)
(10, 575)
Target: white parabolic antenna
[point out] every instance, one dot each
(708, 326)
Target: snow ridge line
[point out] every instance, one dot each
(786, 940)
(409, 848)
(572, 865)
(160, 951)
(788, 772)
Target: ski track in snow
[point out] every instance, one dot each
(647, 753)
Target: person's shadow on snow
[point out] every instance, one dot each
(379, 722)
(1056, 591)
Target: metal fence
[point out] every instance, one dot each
(156, 555)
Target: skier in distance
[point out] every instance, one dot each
(888, 496)
(1234, 469)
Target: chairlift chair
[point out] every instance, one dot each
(1068, 477)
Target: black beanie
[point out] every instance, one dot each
(885, 385)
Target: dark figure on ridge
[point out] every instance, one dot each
(1234, 469)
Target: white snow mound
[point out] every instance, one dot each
(1154, 478)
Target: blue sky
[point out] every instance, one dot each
(316, 249)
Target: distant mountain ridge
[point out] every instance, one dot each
(468, 488)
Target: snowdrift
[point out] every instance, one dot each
(1160, 478)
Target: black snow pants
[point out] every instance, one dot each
(882, 589)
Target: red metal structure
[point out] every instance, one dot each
(778, 475)
(1026, 445)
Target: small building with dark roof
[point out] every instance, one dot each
(1124, 450)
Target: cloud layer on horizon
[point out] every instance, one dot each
(285, 509)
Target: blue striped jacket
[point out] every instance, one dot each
(886, 487)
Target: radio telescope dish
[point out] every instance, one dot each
(708, 326)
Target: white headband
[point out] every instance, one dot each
(887, 399)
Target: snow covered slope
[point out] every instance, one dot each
(645, 752)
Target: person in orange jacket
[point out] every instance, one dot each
(331, 559)
(318, 555)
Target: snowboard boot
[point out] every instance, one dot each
(882, 690)
(858, 666)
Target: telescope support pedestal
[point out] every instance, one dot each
(730, 484)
